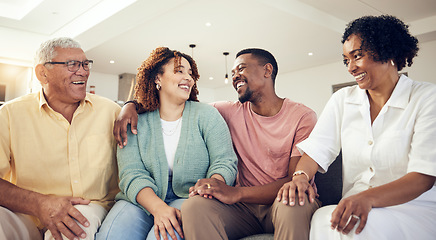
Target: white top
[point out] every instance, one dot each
(401, 139)
(171, 134)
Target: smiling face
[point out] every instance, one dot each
(61, 85)
(247, 75)
(368, 73)
(175, 85)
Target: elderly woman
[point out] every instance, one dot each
(386, 128)
(178, 142)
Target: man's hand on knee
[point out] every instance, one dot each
(59, 216)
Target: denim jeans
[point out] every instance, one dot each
(128, 221)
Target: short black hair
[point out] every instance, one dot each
(385, 38)
(264, 57)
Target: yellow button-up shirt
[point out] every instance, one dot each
(42, 152)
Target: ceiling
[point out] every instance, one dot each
(127, 31)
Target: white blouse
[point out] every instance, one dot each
(401, 139)
(171, 131)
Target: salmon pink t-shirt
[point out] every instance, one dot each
(264, 145)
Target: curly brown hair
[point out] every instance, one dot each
(146, 93)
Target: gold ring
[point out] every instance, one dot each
(208, 185)
(354, 216)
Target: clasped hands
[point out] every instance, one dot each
(345, 216)
(214, 188)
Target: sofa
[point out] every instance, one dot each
(329, 189)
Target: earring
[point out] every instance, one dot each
(157, 86)
(392, 62)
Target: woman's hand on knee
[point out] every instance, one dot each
(349, 212)
(168, 219)
(298, 186)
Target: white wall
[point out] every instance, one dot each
(424, 65)
(17, 80)
(313, 86)
(206, 94)
(106, 85)
(226, 93)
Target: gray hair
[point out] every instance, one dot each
(46, 51)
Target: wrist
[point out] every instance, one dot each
(218, 177)
(38, 203)
(133, 102)
(371, 197)
(301, 173)
(157, 207)
(238, 194)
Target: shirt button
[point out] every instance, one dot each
(370, 142)
(75, 181)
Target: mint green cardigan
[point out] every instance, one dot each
(205, 148)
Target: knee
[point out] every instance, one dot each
(194, 209)
(7, 219)
(297, 210)
(123, 215)
(322, 216)
(93, 212)
(3, 213)
(194, 205)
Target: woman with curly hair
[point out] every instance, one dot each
(386, 129)
(178, 142)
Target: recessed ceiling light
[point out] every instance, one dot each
(112, 61)
(210, 78)
(310, 54)
(208, 24)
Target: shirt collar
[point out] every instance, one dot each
(399, 97)
(43, 101)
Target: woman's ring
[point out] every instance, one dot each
(354, 216)
(208, 185)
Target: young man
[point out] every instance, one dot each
(265, 130)
(57, 160)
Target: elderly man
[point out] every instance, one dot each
(57, 160)
(265, 130)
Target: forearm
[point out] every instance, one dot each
(17, 199)
(265, 194)
(149, 200)
(308, 165)
(400, 191)
(138, 107)
(219, 177)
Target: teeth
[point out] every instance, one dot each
(79, 82)
(184, 86)
(360, 76)
(240, 84)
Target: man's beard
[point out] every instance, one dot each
(246, 96)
